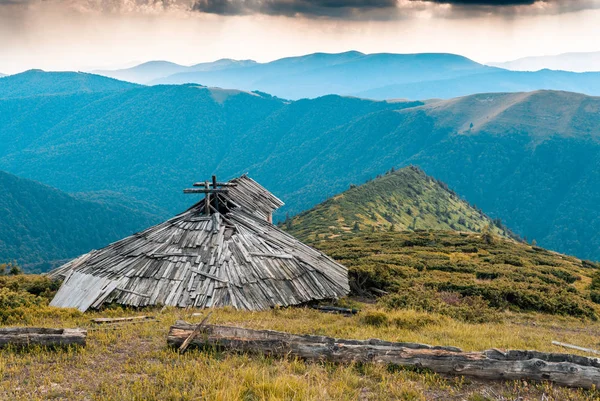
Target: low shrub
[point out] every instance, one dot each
(501, 275)
(375, 318)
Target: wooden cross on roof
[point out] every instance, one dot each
(209, 188)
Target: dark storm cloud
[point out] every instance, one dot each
(500, 3)
(323, 8)
(334, 9)
(385, 9)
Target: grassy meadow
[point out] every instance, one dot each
(133, 362)
(471, 290)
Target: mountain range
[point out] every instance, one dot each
(401, 200)
(577, 62)
(375, 76)
(153, 70)
(40, 225)
(530, 159)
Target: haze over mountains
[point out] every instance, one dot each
(376, 76)
(530, 159)
(147, 72)
(577, 62)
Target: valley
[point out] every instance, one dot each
(528, 159)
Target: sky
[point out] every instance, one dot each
(83, 35)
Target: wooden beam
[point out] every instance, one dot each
(578, 348)
(562, 369)
(219, 184)
(204, 191)
(28, 336)
(272, 255)
(193, 334)
(105, 320)
(133, 292)
(211, 276)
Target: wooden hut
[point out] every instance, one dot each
(222, 251)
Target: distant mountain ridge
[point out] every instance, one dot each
(493, 82)
(153, 70)
(39, 224)
(320, 74)
(374, 76)
(576, 62)
(402, 200)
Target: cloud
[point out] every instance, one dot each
(318, 8)
(498, 3)
(101, 6)
(389, 9)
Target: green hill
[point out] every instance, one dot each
(468, 276)
(406, 199)
(39, 224)
(37, 82)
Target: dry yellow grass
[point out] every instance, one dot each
(132, 361)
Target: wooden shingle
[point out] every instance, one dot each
(231, 256)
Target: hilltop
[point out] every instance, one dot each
(401, 200)
(38, 82)
(39, 224)
(154, 70)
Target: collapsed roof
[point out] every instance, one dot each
(223, 251)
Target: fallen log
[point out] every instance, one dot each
(336, 309)
(107, 320)
(562, 369)
(27, 336)
(378, 291)
(578, 348)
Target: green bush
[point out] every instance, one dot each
(502, 275)
(23, 297)
(375, 318)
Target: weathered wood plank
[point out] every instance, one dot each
(193, 334)
(49, 337)
(562, 369)
(105, 320)
(578, 348)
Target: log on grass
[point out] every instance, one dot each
(108, 320)
(562, 369)
(27, 336)
(336, 309)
